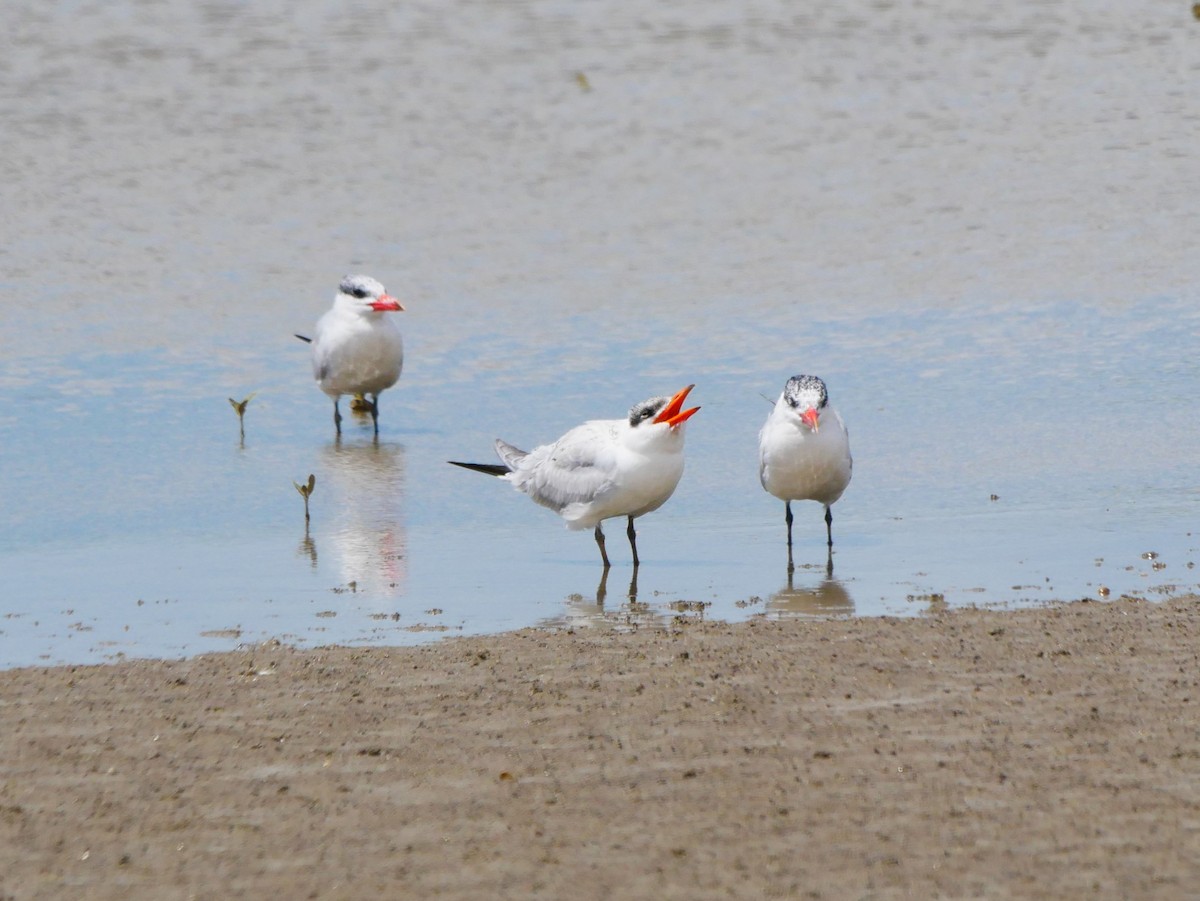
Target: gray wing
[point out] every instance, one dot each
(576, 469)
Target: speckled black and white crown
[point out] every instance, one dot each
(805, 392)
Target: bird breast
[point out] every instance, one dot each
(797, 464)
(357, 354)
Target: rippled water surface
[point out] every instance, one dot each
(978, 224)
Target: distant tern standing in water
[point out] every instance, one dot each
(356, 349)
(603, 468)
(804, 451)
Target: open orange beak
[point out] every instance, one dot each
(809, 418)
(671, 414)
(386, 304)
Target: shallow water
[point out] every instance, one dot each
(975, 224)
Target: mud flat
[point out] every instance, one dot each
(1045, 753)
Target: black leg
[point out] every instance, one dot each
(829, 525)
(600, 544)
(788, 519)
(375, 411)
(337, 416)
(633, 542)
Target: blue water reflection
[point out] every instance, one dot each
(135, 521)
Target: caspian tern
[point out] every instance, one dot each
(804, 450)
(356, 349)
(603, 468)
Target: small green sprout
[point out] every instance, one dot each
(240, 409)
(306, 492)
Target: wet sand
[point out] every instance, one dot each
(1033, 753)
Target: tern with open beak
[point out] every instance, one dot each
(603, 468)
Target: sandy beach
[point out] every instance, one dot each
(1039, 753)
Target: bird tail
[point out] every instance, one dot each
(305, 340)
(491, 469)
(512, 456)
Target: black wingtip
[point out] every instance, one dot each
(305, 340)
(491, 469)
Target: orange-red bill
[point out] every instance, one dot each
(386, 303)
(675, 405)
(682, 417)
(809, 418)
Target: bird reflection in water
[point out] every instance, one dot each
(602, 588)
(364, 490)
(627, 615)
(828, 597)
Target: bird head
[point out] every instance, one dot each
(364, 294)
(806, 395)
(662, 410)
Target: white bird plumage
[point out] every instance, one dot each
(804, 450)
(356, 348)
(603, 468)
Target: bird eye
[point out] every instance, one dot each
(361, 293)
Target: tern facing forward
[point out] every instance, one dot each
(804, 450)
(603, 468)
(356, 349)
